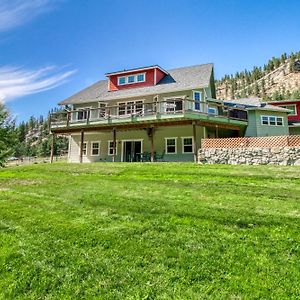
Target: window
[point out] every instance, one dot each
(102, 110)
(272, 120)
(111, 148)
(279, 121)
(121, 80)
(84, 148)
(140, 77)
(82, 114)
(173, 105)
(95, 148)
(131, 107)
(212, 110)
(187, 145)
(139, 107)
(171, 145)
(197, 96)
(291, 107)
(264, 120)
(131, 79)
(122, 108)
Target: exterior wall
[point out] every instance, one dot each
(297, 103)
(113, 80)
(159, 75)
(255, 128)
(294, 130)
(160, 134)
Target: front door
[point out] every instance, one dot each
(132, 151)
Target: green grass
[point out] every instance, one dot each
(142, 231)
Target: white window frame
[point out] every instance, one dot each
(84, 150)
(83, 109)
(111, 148)
(166, 145)
(94, 142)
(133, 112)
(269, 124)
(198, 101)
(172, 100)
(103, 107)
(286, 107)
(214, 108)
(120, 78)
(135, 78)
(182, 144)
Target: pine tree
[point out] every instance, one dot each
(7, 134)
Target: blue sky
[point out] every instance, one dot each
(50, 49)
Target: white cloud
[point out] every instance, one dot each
(18, 82)
(14, 13)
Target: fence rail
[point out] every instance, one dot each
(253, 142)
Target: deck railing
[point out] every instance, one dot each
(140, 109)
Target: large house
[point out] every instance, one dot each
(294, 113)
(148, 114)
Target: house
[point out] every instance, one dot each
(263, 119)
(293, 115)
(146, 114)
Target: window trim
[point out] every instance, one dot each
(135, 76)
(166, 145)
(295, 109)
(134, 106)
(108, 147)
(214, 108)
(182, 144)
(91, 150)
(198, 101)
(268, 117)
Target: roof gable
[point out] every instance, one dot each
(179, 79)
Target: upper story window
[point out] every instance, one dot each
(197, 96)
(121, 80)
(130, 79)
(291, 107)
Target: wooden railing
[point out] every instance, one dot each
(138, 109)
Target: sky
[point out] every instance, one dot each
(51, 49)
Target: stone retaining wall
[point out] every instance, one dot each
(283, 156)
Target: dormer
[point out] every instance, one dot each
(133, 78)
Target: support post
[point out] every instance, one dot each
(81, 146)
(152, 144)
(114, 144)
(217, 131)
(52, 148)
(195, 142)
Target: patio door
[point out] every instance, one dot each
(132, 151)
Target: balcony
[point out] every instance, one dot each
(138, 112)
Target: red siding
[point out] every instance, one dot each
(159, 75)
(297, 103)
(113, 80)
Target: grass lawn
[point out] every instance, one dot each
(142, 231)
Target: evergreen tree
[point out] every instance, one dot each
(7, 134)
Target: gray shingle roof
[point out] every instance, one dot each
(255, 103)
(178, 80)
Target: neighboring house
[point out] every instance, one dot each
(293, 115)
(146, 114)
(263, 119)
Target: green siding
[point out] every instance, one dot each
(159, 143)
(255, 128)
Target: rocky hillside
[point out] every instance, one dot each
(279, 79)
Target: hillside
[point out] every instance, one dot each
(279, 79)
